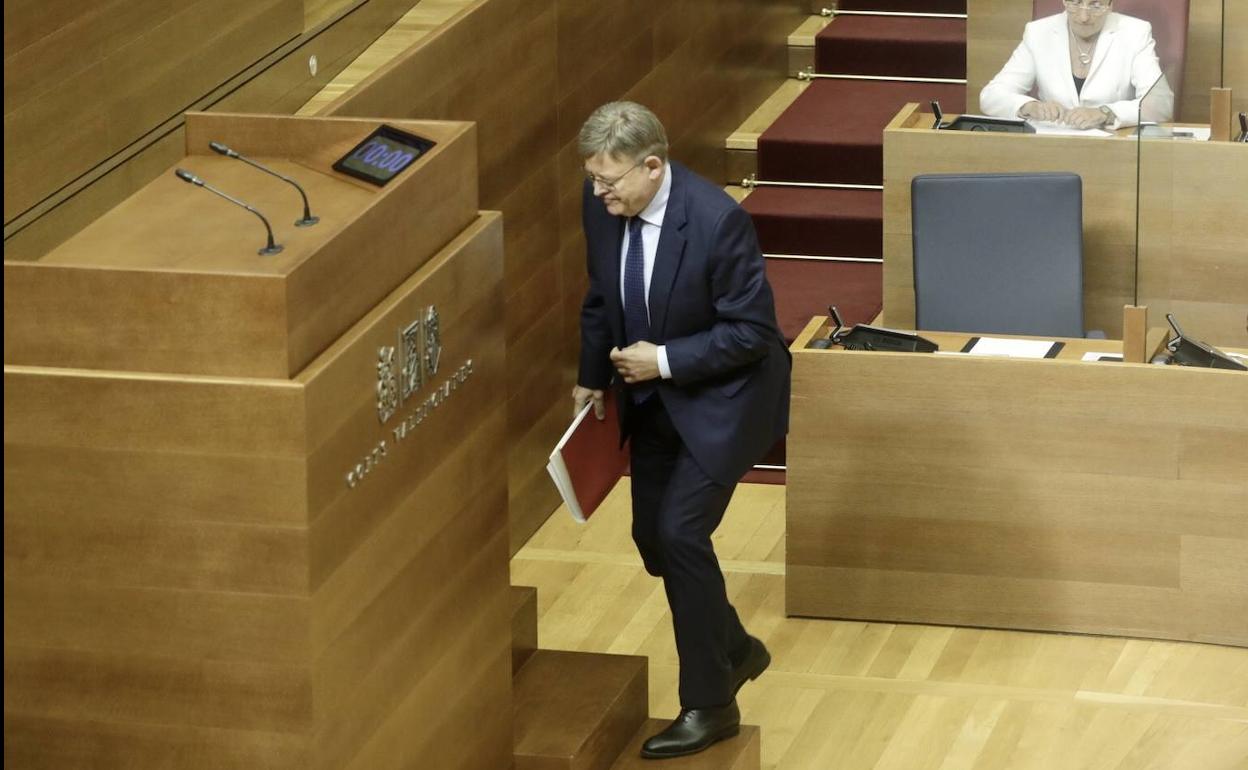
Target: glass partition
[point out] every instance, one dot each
(1191, 257)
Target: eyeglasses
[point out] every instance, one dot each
(1096, 7)
(609, 184)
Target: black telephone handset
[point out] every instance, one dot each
(1185, 351)
(864, 337)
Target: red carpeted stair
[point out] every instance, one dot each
(905, 6)
(814, 221)
(896, 46)
(856, 288)
(834, 131)
(818, 222)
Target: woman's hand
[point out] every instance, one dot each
(1086, 117)
(1038, 110)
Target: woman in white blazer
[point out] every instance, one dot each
(1090, 68)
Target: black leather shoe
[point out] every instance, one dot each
(752, 667)
(693, 731)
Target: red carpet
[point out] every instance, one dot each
(899, 46)
(805, 288)
(816, 222)
(834, 131)
(905, 6)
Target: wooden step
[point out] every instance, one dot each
(802, 44)
(523, 625)
(577, 710)
(742, 144)
(739, 753)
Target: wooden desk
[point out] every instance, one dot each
(1055, 495)
(1192, 258)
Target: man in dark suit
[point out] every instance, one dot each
(680, 317)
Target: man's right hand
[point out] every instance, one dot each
(582, 396)
(1038, 110)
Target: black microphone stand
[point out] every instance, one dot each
(271, 248)
(308, 220)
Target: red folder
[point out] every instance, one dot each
(588, 461)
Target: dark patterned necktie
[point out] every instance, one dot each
(636, 316)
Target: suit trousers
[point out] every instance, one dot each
(676, 508)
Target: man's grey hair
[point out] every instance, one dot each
(624, 130)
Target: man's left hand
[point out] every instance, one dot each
(637, 362)
(1085, 117)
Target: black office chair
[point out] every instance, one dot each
(999, 253)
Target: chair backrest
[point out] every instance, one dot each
(1169, 20)
(999, 253)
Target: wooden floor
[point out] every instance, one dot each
(881, 696)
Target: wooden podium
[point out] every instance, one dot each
(255, 507)
(1060, 494)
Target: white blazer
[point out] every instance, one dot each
(1123, 69)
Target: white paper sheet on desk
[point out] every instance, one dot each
(996, 346)
(1198, 133)
(1049, 128)
(1101, 357)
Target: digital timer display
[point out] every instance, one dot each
(383, 155)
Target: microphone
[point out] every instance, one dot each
(189, 178)
(308, 220)
(1243, 127)
(939, 115)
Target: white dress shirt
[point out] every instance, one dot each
(651, 226)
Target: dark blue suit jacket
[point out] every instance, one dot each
(711, 305)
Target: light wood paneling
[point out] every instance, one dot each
(1055, 495)
(857, 695)
(137, 63)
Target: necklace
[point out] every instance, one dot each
(1085, 57)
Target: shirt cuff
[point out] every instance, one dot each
(665, 370)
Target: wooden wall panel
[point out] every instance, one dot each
(278, 81)
(1018, 494)
(137, 64)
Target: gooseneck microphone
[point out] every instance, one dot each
(308, 219)
(188, 177)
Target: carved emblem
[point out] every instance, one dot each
(387, 383)
(410, 378)
(433, 341)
